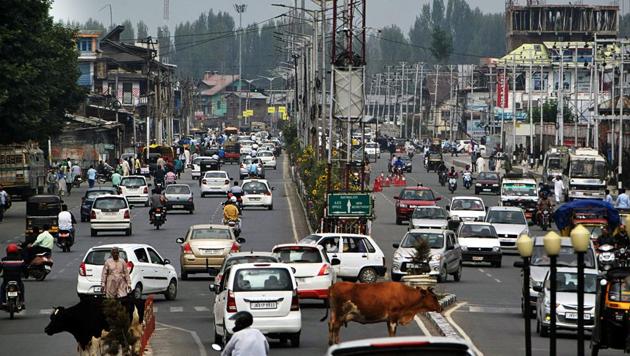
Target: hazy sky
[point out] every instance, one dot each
(380, 12)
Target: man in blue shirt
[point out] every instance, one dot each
(608, 198)
(623, 201)
(91, 176)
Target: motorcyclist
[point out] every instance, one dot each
(621, 237)
(157, 201)
(605, 238)
(399, 164)
(230, 210)
(544, 203)
(43, 243)
(67, 221)
(245, 340)
(411, 150)
(452, 173)
(12, 267)
(467, 174)
(158, 176)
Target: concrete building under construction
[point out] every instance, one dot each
(535, 21)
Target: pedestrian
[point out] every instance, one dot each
(473, 161)
(623, 201)
(91, 176)
(179, 167)
(51, 180)
(245, 340)
(5, 202)
(115, 281)
(119, 169)
(608, 199)
(136, 165)
(558, 188)
(481, 164)
(161, 163)
(116, 179)
(367, 170)
(61, 183)
(125, 167)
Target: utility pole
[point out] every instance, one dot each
(387, 95)
(621, 105)
(421, 117)
(513, 106)
(240, 9)
(437, 79)
(530, 109)
(561, 99)
(415, 92)
(541, 107)
(452, 106)
(491, 120)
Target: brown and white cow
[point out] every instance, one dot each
(391, 302)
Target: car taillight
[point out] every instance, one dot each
(82, 271)
(127, 215)
(187, 248)
(203, 181)
(146, 190)
(93, 214)
(323, 271)
(227, 181)
(295, 301)
(190, 199)
(231, 302)
(267, 193)
(130, 266)
(235, 247)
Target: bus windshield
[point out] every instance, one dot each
(588, 168)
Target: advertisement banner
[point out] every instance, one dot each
(502, 91)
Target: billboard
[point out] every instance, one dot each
(502, 91)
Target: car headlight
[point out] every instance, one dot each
(495, 185)
(496, 248)
(464, 248)
(436, 257)
(403, 205)
(478, 184)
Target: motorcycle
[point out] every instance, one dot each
(77, 181)
(65, 240)
(442, 178)
(545, 220)
(467, 178)
(452, 184)
(39, 267)
(606, 257)
(158, 217)
(236, 226)
(621, 257)
(13, 305)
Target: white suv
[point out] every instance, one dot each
(359, 255)
(135, 189)
(110, 213)
(149, 272)
(257, 193)
(268, 291)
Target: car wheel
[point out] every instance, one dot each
(295, 340)
(146, 204)
(544, 330)
(457, 276)
(396, 277)
(270, 207)
(217, 338)
(93, 232)
(183, 274)
(497, 264)
(171, 290)
(137, 291)
(368, 275)
(191, 211)
(128, 232)
(443, 276)
(203, 195)
(398, 221)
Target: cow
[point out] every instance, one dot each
(391, 302)
(86, 320)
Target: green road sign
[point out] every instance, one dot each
(349, 204)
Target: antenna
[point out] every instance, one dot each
(166, 8)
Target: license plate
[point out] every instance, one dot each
(413, 265)
(477, 258)
(109, 213)
(178, 207)
(486, 189)
(212, 252)
(574, 316)
(301, 279)
(254, 199)
(97, 289)
(263, 305)
(158, 215)
(12, 294)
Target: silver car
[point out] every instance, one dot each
(566, 300)
(446, 255)
(429, 217)
(179, 197)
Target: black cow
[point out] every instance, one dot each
(86, 319)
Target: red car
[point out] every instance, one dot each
(410, 198)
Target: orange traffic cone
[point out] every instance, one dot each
(377, 186)
(387, 182)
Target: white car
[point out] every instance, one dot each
(110, 213)
(359, 255)
(214, 182)
(196, 168)
(246, 146)
(372, 150)
(479, 243)
(467, 209)
(403, 345)
(313, 271)
(148, 271)
(510, 223)
(429, 217)
(135, 189)
(244, 167)
(257, 193)
(268, 291)
(268, 159)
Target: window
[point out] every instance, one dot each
(210, 234)
(369, 246)
(263, 279)
(133, 182)
(434, 240)
(155, 258)
(85, 79)
(177, 189)
(113, 204)
(479, 231)
(85, 45)
(98, 257)
(298, 254)
(127, 96)
(255, 188)
(353, 245)
(330, 244)
(141, 255)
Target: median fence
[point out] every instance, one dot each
(149, 324)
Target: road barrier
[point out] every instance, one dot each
(149, 323)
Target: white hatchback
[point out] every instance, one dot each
(268, 159)
(148, 271)
(214, 182)
(312, 269)
(257, 193)
(135, 189)
(196, 167)
(467, 209)
(268, 291)
(110, 213)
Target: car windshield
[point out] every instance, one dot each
(620, 290)
(210, 234)
(586, 168)
(298, 254)
(249, 259)
(467, 204)
(371, 145)
(177, 189)
(484, 231)
(506, 217)
(555, 163)
(265, 154)
(97, 193)
(255, 188)
(567, 282)
(566, 258)
(98, 257)
(429, 213)
(412, 239)
(519, 189)
(132, 182)
(199, 159)
(215, 175)
(109, 204)
(413, 194)
(310, 239)
(262, 279)
(488, 176)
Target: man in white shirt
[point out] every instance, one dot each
(246, 341)
(66, 221)
(558, 188)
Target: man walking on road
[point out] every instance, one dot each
(558, 188)
(91, 176)
(4, 202)
(115, 279)
(623, 201)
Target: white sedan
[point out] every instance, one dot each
(268, 159)
(257, 193)
(214, 182)
(313, 271)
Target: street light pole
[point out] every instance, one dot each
(580, 239)
(525, 246)
(552, 245)
(240, 9)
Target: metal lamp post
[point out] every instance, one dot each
(580, 238)
(552, 243)
(525, 246)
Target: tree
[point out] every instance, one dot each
(441, 45)
(38, 72)
(128, 35)
(550, 112)
(143, 30)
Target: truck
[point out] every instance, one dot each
(520, 192)
(585, 177)
(22, 169)
(555, 162)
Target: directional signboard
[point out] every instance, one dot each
(349, 204)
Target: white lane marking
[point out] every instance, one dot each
(285, 168)
(489, 275)
(461, 331)
(497, 280)
(61, 271)
(493, 309)
(193, 334)
(45, 311)
(481, 270)
(202, 309)
(421, 325)
(387, 199)
(176, 309)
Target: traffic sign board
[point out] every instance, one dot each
(349, 204)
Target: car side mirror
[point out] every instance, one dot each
(273, 188)
(519, 264)
(335, 262)
(487, 208)
(537, 288)
(240, 240)
(448, 207)
(180, 240)
(167, 261)
(395, 245)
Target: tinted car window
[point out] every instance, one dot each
(467, 204)
(214, 175)
(141, 255)
(566, 258)
(488, 176)
(429, 213)
(97, 193)
(249, 259)
(567, 282)
(468, 230)
(255, 188)
(265, 154)
(263, 279)
(412, 194)
(109, 203)
(155, 258)
(210, 234)
(506, 217)
(177, 189)
(132, 182)
(298, 254)
(435, 240)
(98, 257)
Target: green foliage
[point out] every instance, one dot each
(422, 253)
(143, 30)
(38, 72)
(119, 337)
(441, 45)
(128, 35)
(550, 112)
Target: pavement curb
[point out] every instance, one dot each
(439, 322)
(290, 169)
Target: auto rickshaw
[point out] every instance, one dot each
(592, 214)
(612, 312)
(42, 210)
(434, 160)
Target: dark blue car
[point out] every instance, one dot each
(88, 200)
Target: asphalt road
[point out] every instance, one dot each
(490, 315)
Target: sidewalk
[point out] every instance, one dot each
(168, 340)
